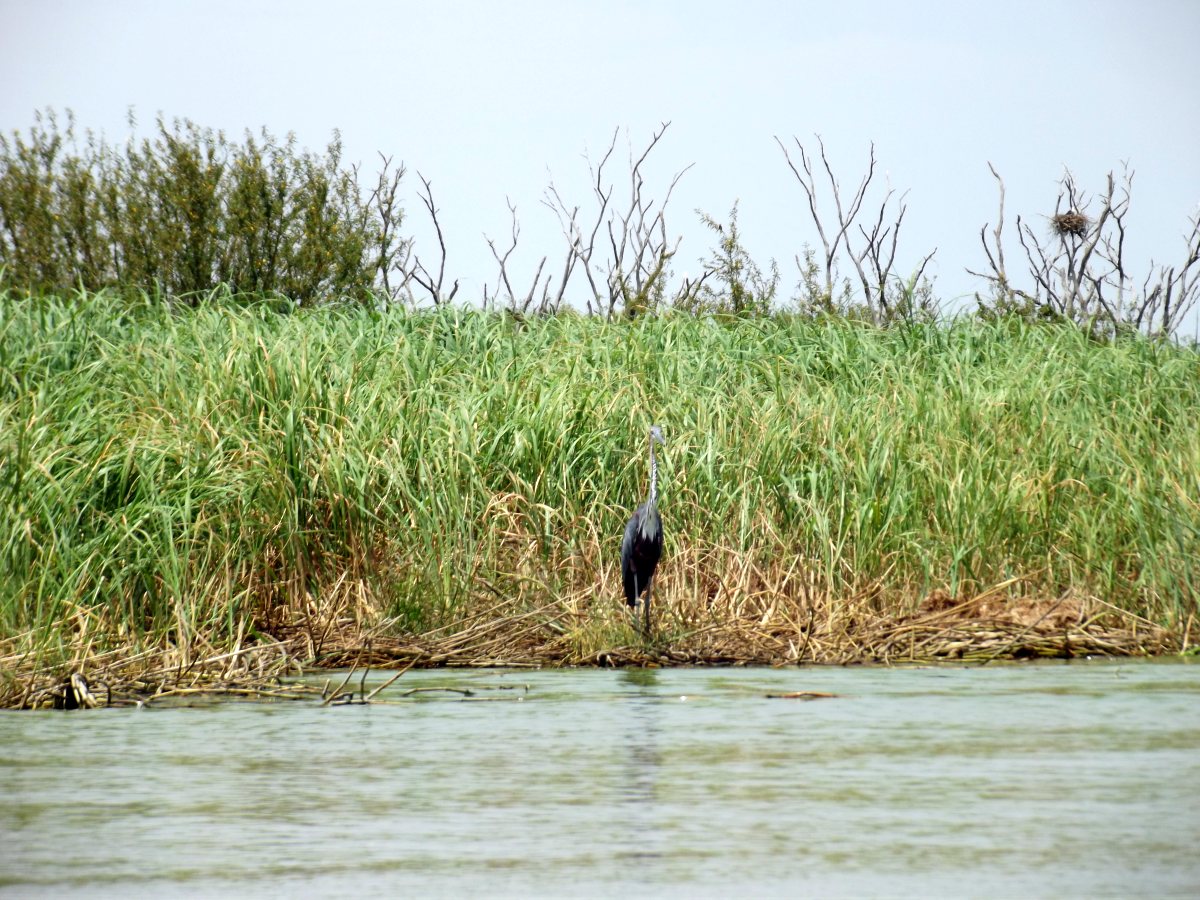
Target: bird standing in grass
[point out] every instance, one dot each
(642, 545)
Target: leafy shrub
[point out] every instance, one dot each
(190, 210)
(738, 285)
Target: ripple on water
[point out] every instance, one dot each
(993, 781)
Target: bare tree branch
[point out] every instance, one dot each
(999, 274)
(415, 270)
(874, 260)
(581, 247)
(808, 184)
(392, 251)
(515, 305)
(633, 274)
(1080, 274)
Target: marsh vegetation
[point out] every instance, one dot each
(345, 485)
(243, 428)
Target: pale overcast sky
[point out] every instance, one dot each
(490, 100)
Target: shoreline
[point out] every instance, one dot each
(272, 671)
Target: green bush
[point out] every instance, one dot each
(738, 286)
(190, 210)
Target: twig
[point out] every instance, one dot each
(369, 697)
(329, 699)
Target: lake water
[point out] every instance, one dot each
(1032, 780)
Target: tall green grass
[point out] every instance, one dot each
(206, 476)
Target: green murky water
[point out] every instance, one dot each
(1049, 780)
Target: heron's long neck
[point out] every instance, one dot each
(653, 477)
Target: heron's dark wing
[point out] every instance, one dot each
(628, 575)
(640, 549)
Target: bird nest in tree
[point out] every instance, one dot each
(1073, 223)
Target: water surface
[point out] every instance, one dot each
(1046, 780)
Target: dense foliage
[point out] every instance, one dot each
(191, 211)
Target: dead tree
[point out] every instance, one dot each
(522, 305)
(1169, 293)
(412, 269)
(392, 250)
(874, 260)
(879, 253)
(1078, 271)
(633, 273)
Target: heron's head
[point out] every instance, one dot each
(656, 435)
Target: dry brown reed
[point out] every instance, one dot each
(757, 629)
(714, 605)
(153, 676)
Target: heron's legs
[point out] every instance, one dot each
(646, 608)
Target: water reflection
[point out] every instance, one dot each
(641, 722)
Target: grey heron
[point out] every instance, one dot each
(642, 545)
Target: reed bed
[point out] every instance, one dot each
(345, 486)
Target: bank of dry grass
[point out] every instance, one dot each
(230, 493)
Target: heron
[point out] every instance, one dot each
(642, 545)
